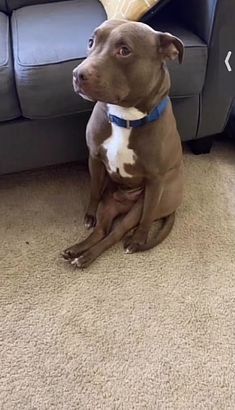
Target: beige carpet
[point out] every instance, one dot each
(147, 331)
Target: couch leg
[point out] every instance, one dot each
(201, 145)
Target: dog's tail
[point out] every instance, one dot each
(164, 231)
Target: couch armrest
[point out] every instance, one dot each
(219, 87)
(213, 21)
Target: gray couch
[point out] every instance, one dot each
(42, 121)
(230, 129)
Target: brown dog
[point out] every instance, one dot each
(135, 159)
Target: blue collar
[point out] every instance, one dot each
(153, 116)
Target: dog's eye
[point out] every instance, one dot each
(90, 42)
(124, 51)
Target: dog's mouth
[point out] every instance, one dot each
(99, 97)
(90, 94)
(79, 90)
(86, 97)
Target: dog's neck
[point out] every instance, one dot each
(159, 91)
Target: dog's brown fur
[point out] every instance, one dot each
(154, 188)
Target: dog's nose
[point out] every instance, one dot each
(80, 76)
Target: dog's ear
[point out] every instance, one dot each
(170, 47)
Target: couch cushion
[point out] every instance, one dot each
(48, 42)
(9, 107)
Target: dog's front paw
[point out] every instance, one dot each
(71, 253)
(83, 261)
(89, 221)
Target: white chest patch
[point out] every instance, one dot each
(117, 145)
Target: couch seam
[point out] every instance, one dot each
(24, 114)
(25, 65)
(10, 118)
(212, 20)
(14, 23)
(29, 116)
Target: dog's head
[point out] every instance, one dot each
(125, 62)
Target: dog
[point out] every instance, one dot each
(135, 152)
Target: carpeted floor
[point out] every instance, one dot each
(145, 331)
